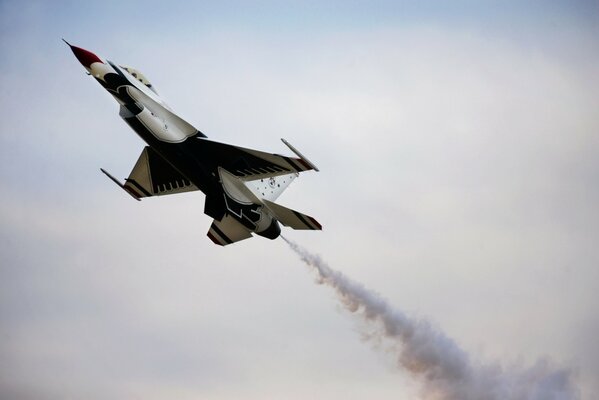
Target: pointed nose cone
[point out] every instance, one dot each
(85, 57)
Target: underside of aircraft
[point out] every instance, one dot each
(240, 184)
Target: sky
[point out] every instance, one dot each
(458, 150)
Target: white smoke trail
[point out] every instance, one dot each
(446, 371)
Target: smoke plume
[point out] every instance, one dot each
(446, 371)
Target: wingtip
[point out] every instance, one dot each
(300, 155)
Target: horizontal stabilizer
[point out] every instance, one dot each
(227, 231)
(292, 218)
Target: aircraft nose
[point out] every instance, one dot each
(85, 57)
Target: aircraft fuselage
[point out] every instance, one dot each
(214, 168)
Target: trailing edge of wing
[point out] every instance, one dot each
(249, 164)
(152, 176)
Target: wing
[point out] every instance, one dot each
(152, 176)
(227, 231)
(248, 164)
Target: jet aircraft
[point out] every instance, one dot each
(240, 184)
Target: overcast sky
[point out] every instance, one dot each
(459, 155)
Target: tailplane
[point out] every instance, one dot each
(227, 231)
(291, 218)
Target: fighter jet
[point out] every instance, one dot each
(240, 184)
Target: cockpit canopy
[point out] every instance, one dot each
(139, 76)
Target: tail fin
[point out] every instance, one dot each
(292, 218)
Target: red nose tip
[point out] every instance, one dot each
(87, 58)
